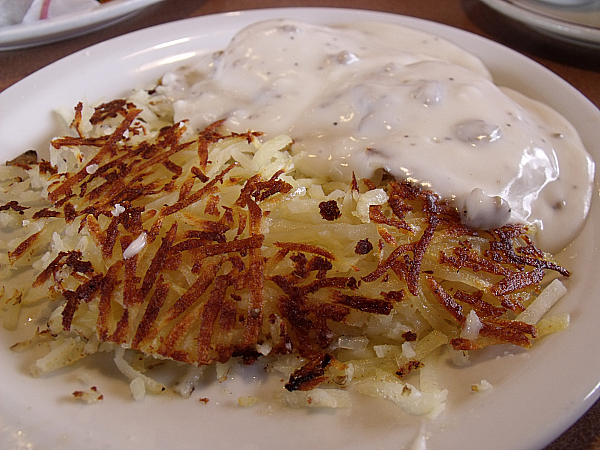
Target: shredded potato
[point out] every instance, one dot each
(205, 249)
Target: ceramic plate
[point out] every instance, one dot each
(536, 394)
(68, 25)
(578, 24)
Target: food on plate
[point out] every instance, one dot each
(374, 98)
(210, 239)
(202, 248)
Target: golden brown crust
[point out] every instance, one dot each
(239, 289)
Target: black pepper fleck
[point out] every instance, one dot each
(363, 247)
(329, 210)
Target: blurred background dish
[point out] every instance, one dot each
(39, 32)
(575, 21)
(566, 2)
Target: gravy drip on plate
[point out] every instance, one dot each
(374, 97)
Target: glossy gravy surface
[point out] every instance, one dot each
(374, 97)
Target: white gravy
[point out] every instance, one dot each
(373, 97)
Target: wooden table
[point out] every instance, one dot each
(577, 65)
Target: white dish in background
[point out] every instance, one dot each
(69, 25)
(575, 23)
(566, 2)
(536, 395)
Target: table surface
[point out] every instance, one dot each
(577, 65)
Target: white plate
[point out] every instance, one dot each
(536, 394)
(578, 24)
(68, 25)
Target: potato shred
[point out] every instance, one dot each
(207, 248)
